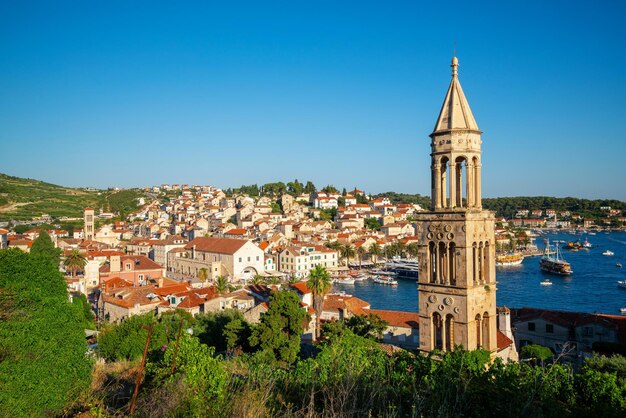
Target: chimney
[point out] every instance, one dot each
(115, 263)
(504, 321)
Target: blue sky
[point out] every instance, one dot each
(229, 93)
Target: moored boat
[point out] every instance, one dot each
(385, 280)
(509, 259)
(552, 262)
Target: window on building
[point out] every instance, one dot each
(549, 328)
(531, 326)
(257, 258)
(588, 331)
(128, 266)
(240, 259)
(248, 259)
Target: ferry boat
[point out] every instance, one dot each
(552, 262)
(385, 280)
(403, 267)
(509, 259)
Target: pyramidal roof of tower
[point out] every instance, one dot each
(455, 112)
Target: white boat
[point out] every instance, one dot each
(546, 282)
(621, 283)
(385, 280)
(608, 253)
(622, 310)
(403, 267)
(345, 280)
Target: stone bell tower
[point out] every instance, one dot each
(457, 286)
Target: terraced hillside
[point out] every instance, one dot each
(23, 199)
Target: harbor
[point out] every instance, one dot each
(593, 287)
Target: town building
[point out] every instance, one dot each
(236, 259)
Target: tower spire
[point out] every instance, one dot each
(455, 66)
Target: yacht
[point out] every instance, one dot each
(608, 253)
(622, 284)
(403, 267)
(546, 282)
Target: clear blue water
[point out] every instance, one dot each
(591, 288)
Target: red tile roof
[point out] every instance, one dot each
(398, 318)
(301, 287)
(216, 245)
(503, 341)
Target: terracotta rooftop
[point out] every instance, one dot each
(398, 318)
(216, 245)
(301, 287)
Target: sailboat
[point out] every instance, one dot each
(552, 262)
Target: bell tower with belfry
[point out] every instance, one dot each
(456, 285)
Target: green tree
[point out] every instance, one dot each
(412, 249)
(75, 262)
(369, 326)
(203, 274)
(44, 247)
(375, 251)
(309, 187)
(237, 334)
(257, 279)
(278, 333)
(320, 285)
(535, 352)
(347, 252)
(221, 284)
(204, 375)
(360, 252)
(84, 311)
(372, 223)
(210, 327)
(126, 340)
(43, 366)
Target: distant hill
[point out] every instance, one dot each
(23, 199)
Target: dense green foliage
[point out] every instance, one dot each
(209, 328)
(351, 376)
(28, 198)
(126, 341)
(372, 223)
(508, 206)
(278, 334)
(535, 352)
(87, 317)
(43, 247)
(423, 201)
(43, 365)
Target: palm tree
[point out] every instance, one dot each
(75, 262)
(319, 283)
(257, 279)
(348, 251)
(412, 249)
(203, 274)
(221, 284)
(375, 251)
(335, 245)
(360, 252)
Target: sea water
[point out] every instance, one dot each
(591, 288)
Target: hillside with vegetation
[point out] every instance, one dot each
(25, 199)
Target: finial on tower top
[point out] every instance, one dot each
(455, 66)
